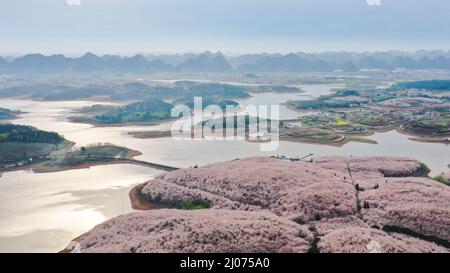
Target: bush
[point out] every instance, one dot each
(440, 179)
(424, 168)
(192, 205)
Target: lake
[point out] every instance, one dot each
(42, 212)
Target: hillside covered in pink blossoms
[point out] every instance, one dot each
(447, 177)
(332, 204)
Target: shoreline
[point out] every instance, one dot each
(428, 140)
(340, 142)
(424, 137)
(150, 134)
(139, 203)
(43, 169)
(103, 125)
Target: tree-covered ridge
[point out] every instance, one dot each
(27, 134)
(179, 91)
(6, 114)
(214, 90)
(148, 110)
(320, 103)
(426, 85)
(153, 110)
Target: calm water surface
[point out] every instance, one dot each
(43, 212)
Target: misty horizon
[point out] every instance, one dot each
(218, 62)
(225, 53)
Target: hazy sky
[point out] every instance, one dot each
(240, 26)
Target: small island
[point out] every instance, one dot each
(143, 112)
(87, 156)
(149, 112)
(153, 105)
(27, 147)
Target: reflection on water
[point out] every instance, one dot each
(42, 212)
(48, 116)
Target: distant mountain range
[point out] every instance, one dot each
(209, 62)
